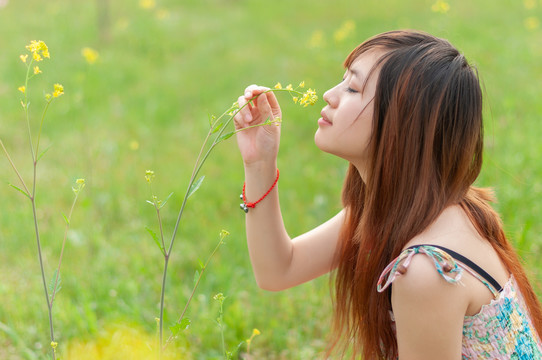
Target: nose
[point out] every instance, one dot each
(330, 97)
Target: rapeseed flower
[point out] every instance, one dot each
(344, 31)
(308, 98)
(149, 175)
(304, 99)
(79, 185)
(58, 90)
(316, 40)
(22, 89)
(37, 70)
(134, 145)
(38, 49)
(147, 4)
(90, 55)
(23, 58)
(531, 23)
(440, 6)
(255, 332)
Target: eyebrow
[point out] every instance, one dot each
(356, 73)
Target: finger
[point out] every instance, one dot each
(253, 91)
(265, 108)
(273, 103)
(243, 116)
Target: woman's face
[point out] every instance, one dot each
(345, 127)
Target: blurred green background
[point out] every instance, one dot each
(163, 67)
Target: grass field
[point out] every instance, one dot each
(163, 67)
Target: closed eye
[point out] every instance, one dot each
(350, 90)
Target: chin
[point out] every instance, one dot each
(318, 141)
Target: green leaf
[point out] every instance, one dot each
(195, 186)
(180, 326)
(19, 189)
(66, 219)
(201, 265)
(196, 277)
(226, 136)
(165, 201)
(52, 283)
(43, 152)
(155, 238)
(216, 128)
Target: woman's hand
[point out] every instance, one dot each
(261, 143)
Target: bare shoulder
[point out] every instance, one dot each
(428, 311)
(422, 284)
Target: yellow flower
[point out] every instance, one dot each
(90, 55)
(37, 70)
(219, 297)
(134, 145)
(23, 58)
(531, 23)
(54, 344)
(308, 98)
(255, 332)
(289, 87)
(147, 4)
(278, 86)
(58, 90)
(302, 84)
(295, 99)
(38, 49)
(149, 175)
(316, 40)
(344, 31)
(79, 185)
(440, 6)
(22, 89)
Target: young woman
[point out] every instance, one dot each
(407, 116)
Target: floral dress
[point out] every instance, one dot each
(502, 329)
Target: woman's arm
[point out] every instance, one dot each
(278, 261)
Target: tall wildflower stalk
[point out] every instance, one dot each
(216, 134)
(38, 51)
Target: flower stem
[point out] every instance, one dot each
(49, 303)
(62, 249)
(162, 295)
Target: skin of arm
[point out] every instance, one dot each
(429, 313)
(278, 261)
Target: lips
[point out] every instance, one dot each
(325, 118)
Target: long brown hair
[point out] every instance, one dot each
(425, 153)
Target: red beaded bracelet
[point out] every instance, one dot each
(245, 205)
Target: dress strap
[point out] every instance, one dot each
(449, 264)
